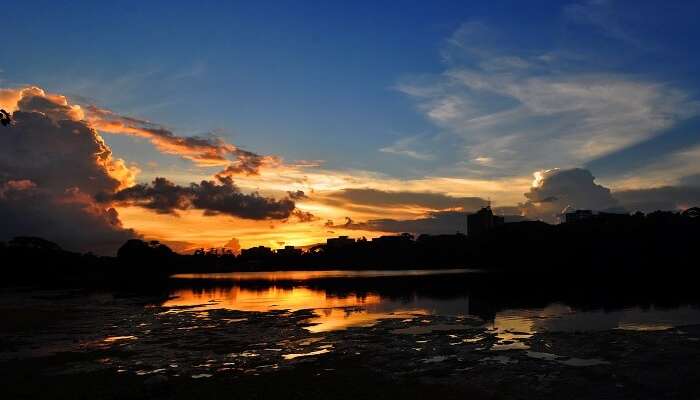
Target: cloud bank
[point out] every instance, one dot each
(383, 198)
(214, 198)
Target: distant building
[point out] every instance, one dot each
(256, 252)
(339, 242)
(578, 215)
(289, 251)
(483, 221)
(393, 239)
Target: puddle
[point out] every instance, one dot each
(298, 355)
(583, 362)
(509, 345)
(436, 359)
(424, 329)
(499, 359)
(572, 362)
(112, 339)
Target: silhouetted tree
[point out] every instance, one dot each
(148, 257)
(5, 118)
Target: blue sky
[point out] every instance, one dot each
(337, 81)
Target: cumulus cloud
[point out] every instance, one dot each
(52, 163)
(214, 198)
(556, 190)
(384, 198)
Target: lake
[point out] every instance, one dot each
(341, 299)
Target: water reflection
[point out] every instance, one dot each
(342, 299)
(332, 312)
(274, 276)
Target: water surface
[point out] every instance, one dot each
(342, 299)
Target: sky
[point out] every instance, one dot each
(285, 123)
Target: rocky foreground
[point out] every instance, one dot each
(106, 346)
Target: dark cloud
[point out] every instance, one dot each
(690, 180)
(52, 163)
(298, 195)
(71, 219)
(671, 198)
(222, 197)
(560, 189)
(59, 154)
(304, 216)
(435, 223)
(381, 198)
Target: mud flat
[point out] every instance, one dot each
(103, 345)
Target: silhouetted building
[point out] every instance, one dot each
(289, 251)
(392, 239)
(258, 252)
(339, 242)
(578, 215)
(482, 221)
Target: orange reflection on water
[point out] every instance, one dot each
(275, 276)
(332, 312)
(272, 298)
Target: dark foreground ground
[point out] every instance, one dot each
(102, 346)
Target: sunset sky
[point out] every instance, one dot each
(284, 123)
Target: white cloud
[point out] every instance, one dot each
(406, 147)
(672, 169)
(601, 14)
(524, 111)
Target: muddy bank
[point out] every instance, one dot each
(103, 345)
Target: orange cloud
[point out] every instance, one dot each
(203, 151)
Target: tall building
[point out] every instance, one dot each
(482, 221)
